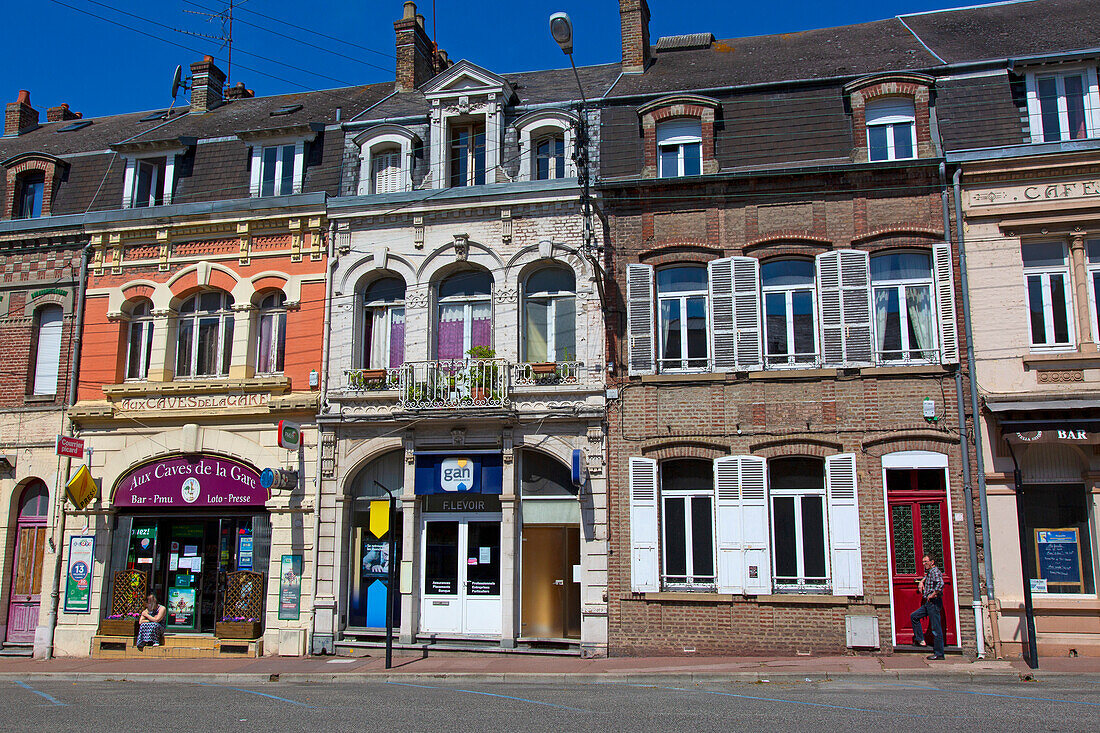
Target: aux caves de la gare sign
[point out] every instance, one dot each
(190, 481)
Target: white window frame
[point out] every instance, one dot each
(1092, 269)
(389, 308)
(674, 135)
(472, 127)
(536, 126)
(276, 311)
(386, 171)
(552, 300)
(788, 291)
(552, 166)
(682, 296)
(381, 140)
(901, 286)
(467, 302)
(801, 584)
(47, 350)
(1044, 272)
(1091, 102)
(891, 117)
(167, 185)
(686, 495)
(141, 322)
(256, 171)
(224, 314)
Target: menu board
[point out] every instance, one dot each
(1058, 556)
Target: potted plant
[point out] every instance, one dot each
(237, 627)
(119, 624)
(483, 372)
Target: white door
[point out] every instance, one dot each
(461, 575)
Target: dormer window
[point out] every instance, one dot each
(546, 145)
(386, 171)
(28, 201)
(386, 159)
(1063, 105)
(277, 170)
(149, 182)
(891, 129)
(679, 148)
(550, 158)
(467, 154)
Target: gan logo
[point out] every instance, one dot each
(456, 474)
(190, 490)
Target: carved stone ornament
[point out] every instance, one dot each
(1060, 377)
(462, 246)
(505, 294)
(458, 436)
(417, 298)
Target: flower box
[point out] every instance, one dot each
(544, 367)
(371, 375)
(118, 627)
(237, 629)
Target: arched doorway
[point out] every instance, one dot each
(26, 576)
(369, 553)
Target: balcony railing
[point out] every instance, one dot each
(372, 380)
(449, 384)
(546, 374)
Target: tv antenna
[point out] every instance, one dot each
(226, 37)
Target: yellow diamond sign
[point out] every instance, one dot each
(379, 518)
(81, 488)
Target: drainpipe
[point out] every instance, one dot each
(964, 445)
(983, 503)
(58, 536)
(333, 259)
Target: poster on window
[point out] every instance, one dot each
(376, 559)
(78, 579)
(1058, 557)
(181, 608)
(290, 587)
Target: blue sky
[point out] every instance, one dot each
(64, 55)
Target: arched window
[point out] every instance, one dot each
(34, 504)
(385, 170)
(790, 336)
(47, 349)
(550, 157)
(682, 301)
(796, 485)
(679, 148)
(384, 324)
(465, 313)
(891, 129)
(140, 341)
(271, 334)
(904, 307)
(687, 523)
(550, 316)
(543, 477)
(204, 341)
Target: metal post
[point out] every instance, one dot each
(390, 567)
(1025, 571)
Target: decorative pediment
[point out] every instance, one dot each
(465, 78)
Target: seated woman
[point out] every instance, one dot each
(151, 623)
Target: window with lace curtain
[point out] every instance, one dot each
(904, 308)
(465, 313)
(204, 335)
(271, 334)
(550, 315)
(384, 324)
(140, 346)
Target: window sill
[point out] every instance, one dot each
(38, 399)
(274, 384)
(1061, 359)
(781, 599)
(688, 377)
(794, 373)
(1086, 603)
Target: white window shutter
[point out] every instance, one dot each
(639, 319)
(844, 542)
(643, 526)
(755, 528)
(746, 312)
(723, 327)
(731, 549)
(828, 298)
(47, 350)
(945, 299)
(844, 290)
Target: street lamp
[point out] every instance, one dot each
(561, 29)
(391, 594)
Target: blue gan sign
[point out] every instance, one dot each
(443, 474)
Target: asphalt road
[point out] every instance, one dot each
(860, 705)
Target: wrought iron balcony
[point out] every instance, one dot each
(546, 374)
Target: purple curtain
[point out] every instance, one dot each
(397, 338)
(450, 339)
(481, 330)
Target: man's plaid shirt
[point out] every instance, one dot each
(933, 581)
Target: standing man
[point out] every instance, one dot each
(931, 591)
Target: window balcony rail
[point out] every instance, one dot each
(792, 361)
(906, 357)
(454, 384)
(372, 380)
(694, 365)
(546, 374)
(802, 585)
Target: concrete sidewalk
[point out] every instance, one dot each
(519, 668)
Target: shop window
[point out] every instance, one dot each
(30, 188)
(790, 330)
(1063, 105)
(1049, 299)
(467, 155)
(465, 314)
(386, 173)
(679, 148)
(682, 309)
(384, 324)
(46, 349)
(904, 307)
(1059, 546)
(687, 524)
(799, 533)
(277, 177)
(543, 477)
(550, 316)
(139, 346)
(271, 334)
(204, 335)
(550, 158)
(891, 129)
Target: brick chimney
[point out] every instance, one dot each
(20, 116)
(61, 114)
(207, 81)
(634, 15)
(416, 62)
(238, 91)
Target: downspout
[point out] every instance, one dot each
(983, 503)
(58, 536)
(964, 446)
(333, 259)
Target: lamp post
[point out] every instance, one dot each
(390, 566)
(561, 29)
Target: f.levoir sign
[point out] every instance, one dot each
(190, 481)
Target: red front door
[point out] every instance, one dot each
(26, 577)
(918, 519)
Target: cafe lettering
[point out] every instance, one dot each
(195, 481)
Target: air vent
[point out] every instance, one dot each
(288, 110)
(685, 43)
(78, 125)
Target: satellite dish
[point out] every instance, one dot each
(177, 78)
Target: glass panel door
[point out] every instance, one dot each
(441, 610)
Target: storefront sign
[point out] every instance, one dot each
(1065, 435)
(70, 447)
(462, 503)
(190, 481)
(290, 435)
(1042, 192)
(78, 579)
(290, 587)
(194, 402)
(1058, 556)
(439, 474)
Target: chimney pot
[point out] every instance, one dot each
(20, 116)
(24, 97)
(410, 10)
(420, 20)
